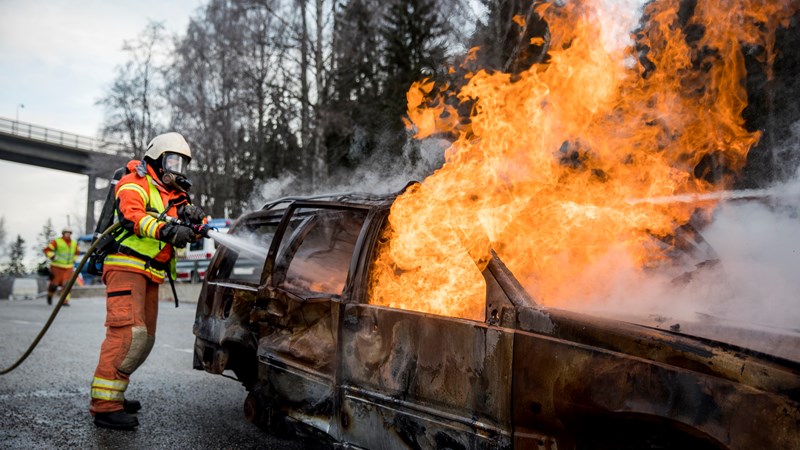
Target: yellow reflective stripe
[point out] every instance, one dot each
(103, 394)
(129, 261)
(133, 187)
(148, 226)
(116, 385)
(134, 263)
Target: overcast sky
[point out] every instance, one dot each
(57, 58)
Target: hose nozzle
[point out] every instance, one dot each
(202, 229)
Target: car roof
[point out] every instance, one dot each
(361, 198)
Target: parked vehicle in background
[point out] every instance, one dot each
(318, 359)
(86, 278)
(24, 289)
(192, 261)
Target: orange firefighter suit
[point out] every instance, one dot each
(61, 253)
(132, 276)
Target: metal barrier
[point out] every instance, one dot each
(62, 138)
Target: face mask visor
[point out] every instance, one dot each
(175, 163)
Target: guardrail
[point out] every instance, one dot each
(62, 138)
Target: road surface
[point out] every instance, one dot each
(44, 402)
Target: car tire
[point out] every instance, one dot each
(641, 436)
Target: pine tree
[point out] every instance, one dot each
(354, 118)
(43, 239)
(414, 48)
(16, 263)
(2, 236)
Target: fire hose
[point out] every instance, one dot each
(64, 293)
(200, 229)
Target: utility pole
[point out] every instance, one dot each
(14, 127)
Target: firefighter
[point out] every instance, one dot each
(144, 257)
(61, 253)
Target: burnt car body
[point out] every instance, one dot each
(296, 328)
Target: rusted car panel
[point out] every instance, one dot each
(428, 380)
(298, 331)
(596, 392)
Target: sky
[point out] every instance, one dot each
(57, 58)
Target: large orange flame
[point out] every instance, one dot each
(547, 170)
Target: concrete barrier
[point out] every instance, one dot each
(187, 292)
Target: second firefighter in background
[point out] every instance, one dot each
(61, 253)
(154, 190)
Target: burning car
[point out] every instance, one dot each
(320, 358)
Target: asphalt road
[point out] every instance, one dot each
(44, 403)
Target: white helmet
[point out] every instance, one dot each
(171, 156)
(168, 142)
(66, 230)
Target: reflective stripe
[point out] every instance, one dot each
(103, 394)
(134, 187)
(145, 241)
(148, 226)
(116, 385)
(103, 389)
(134, 263)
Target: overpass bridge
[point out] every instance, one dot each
(35, 145)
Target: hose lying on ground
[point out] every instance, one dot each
(64, 293)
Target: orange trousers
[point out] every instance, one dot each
(131, 314)
(59, 277)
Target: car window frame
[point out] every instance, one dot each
(268, 281)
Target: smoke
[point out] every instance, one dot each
(378, 173)
(754, 285)
(760, 252)
(618, 18)
(273, 189)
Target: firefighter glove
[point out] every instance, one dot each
(191, 214)
(177, 235)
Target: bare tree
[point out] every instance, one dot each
(136, 93)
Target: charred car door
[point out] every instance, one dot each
(416, 380)
(306, 271)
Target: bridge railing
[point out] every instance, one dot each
(62, 138)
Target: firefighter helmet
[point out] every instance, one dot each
(168, 142)
(169, 154)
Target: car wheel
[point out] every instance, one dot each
(638, 436)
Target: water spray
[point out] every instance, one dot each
(710, 196)
(238, 244)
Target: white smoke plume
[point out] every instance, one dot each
(378, 174)
(752, 289)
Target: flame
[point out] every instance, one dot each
(545, 168)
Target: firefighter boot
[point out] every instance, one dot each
(51, 291)
(116, 420)
(131, 406)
